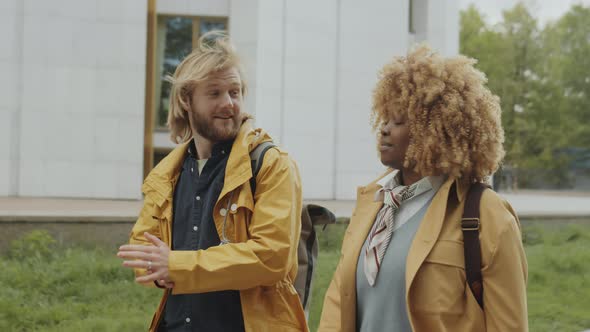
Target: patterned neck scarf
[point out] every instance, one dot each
(385, 223)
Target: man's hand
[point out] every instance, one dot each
(153, 258)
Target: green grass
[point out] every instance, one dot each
(559, 278)
(66, 289)
(48, 288)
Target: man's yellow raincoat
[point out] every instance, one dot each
(260, 259)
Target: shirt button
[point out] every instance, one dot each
(198, 198)
(222, 151)
(223, 212)
(188, 320)
(234, 207)
(195, 228)
(192, 170)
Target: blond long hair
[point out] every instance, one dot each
(214, 52)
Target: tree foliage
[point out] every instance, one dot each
(542, 76)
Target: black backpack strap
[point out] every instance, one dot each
(471, 246)
(256, 157)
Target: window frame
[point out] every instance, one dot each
(152, 97)
(196, 33)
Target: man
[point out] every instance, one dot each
(226, 258)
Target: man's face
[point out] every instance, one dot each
(394, 140)
(215, 106)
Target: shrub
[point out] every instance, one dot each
(38, 244)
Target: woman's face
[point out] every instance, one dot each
(394, 139)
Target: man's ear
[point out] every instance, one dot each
(185, 102)
(186, 97)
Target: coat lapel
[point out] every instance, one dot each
(159, 184)
(239, 168)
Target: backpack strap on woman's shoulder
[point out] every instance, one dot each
(471, 247)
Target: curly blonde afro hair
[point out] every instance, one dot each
(453, 118)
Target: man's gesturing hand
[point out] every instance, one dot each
(153, 258)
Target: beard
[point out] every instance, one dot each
(216, 130)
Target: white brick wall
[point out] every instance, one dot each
(370, 35)
(80, 106)
(194, 8)
(309, 92)
(73, 86)
(269, 76)
(11, 17)
(437, 22)
(315, 65)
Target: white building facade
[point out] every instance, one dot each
(82, 101)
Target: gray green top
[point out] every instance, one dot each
(383, 306)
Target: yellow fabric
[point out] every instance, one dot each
(261, 260)
(437, 296)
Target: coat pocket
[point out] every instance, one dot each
(439, 285)
(280, 304)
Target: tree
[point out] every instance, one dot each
(567, 48)
(543, 79)
(507, 54)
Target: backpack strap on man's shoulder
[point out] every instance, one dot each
(308, 246)
(256, 157)
(470, 226)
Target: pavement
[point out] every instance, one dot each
(528, 204)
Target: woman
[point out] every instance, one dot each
(402, 266)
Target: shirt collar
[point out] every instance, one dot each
(392, 180)
(389, 178)
(221, 148)
(192, 149)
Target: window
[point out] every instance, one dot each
(176, 37)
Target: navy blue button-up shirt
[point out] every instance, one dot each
(193, 228)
